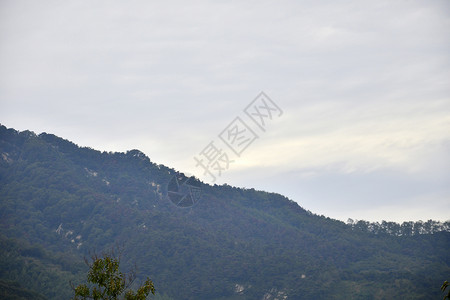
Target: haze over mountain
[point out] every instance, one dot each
(59, 201)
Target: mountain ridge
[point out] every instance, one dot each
(233, 244)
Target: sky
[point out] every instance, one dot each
(357, 93)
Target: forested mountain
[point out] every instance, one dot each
(60, 202)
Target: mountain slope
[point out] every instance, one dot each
(64, 201)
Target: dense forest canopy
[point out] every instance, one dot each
(60, 202)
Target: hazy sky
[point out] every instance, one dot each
(364, 89)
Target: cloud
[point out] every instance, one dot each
(363, 86)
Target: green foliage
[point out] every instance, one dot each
(109, 283)
(444, 286)
(58, 201)
(13, 290)
(404, 229)
(37, 270)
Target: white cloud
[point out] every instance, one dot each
(363, 86)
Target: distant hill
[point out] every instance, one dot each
(59, 202)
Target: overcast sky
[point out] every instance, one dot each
(363, 86)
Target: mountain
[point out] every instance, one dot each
(60, 202)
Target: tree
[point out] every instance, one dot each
(105, 281)
(444, 287)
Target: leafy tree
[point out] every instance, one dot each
(105, 281)
(444, 287)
